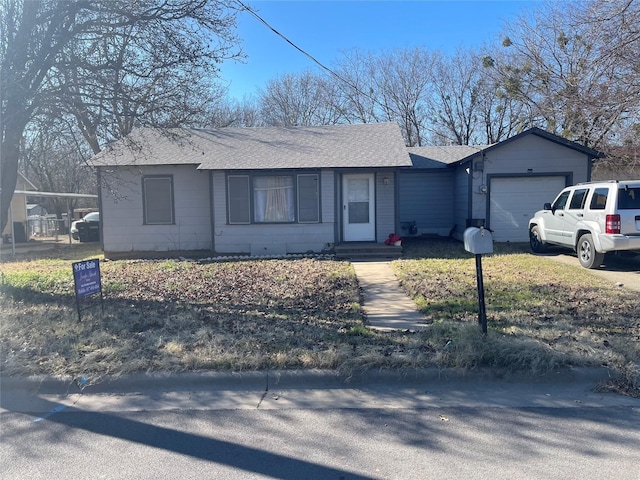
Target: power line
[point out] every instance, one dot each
(321, 65)
(308, 55)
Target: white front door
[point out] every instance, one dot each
(358, 207)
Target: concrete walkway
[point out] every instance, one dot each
(386, 306)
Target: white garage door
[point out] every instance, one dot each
(514, 200)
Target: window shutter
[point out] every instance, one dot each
(238, 199)
(308, 198)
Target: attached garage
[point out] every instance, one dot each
(514, 200)
(502, 185)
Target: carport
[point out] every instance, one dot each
(32, 193)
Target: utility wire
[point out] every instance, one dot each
(321, 65)
(308, 55)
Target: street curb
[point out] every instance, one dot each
(294, 379)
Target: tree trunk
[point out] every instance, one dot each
(12, 132)
(9, 170)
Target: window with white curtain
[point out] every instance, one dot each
(273, 198)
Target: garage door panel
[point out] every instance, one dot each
(514, 200)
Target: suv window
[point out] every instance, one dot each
(599, 199)
(561, 201)
(629, 198)
(578, 199)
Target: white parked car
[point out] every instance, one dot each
(89, 217)
(592, 219)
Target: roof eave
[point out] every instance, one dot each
(593, 154)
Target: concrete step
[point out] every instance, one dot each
(362, 251)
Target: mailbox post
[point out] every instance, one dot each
(479, 241)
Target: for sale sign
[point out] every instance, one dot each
(86, 275)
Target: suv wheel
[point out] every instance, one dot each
(537, 246)
(587, 254)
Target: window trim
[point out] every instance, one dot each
(251, 195)
(145, 216)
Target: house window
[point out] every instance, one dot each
(273, 198)
(308, 199)
(238, 199)
(157, 194)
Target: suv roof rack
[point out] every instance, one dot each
(598, 181)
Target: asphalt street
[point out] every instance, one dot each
(316, 425)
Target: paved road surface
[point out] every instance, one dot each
(422, 429)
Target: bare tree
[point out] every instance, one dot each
(298, 100)
(455, 105)
(404, 84)
(502, 115)
(53, 159)
(232, 113)
(356, 89)
(575, 65)
(109, 63)
(468, 105)
(390, 87)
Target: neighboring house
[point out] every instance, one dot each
(266, 191)
(35, 210)
(18, 213)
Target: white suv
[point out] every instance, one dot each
(591, 218)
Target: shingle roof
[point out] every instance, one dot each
(554, 138)
(334, 146)
(440, 156)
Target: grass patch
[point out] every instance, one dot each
(541, 314)
(188, 316)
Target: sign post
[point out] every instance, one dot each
(86, 277)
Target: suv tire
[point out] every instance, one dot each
(587, 254)
(537, 246)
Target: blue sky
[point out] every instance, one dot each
(325, 28)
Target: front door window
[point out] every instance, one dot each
(358, 200)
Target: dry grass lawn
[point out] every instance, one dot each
(175, 315)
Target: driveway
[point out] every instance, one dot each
(622, 269)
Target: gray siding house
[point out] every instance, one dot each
(275, 191)
(259, 191)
